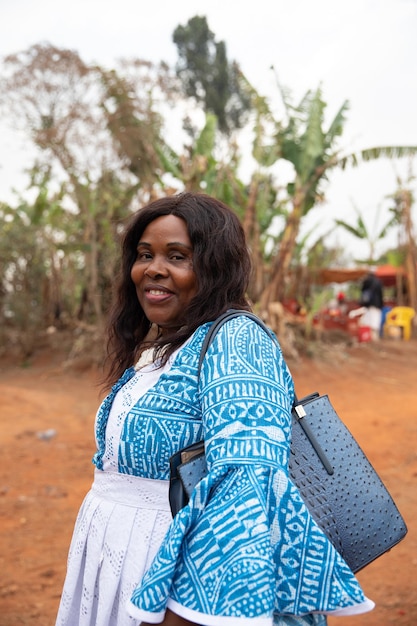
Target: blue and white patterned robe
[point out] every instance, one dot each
(245, 549)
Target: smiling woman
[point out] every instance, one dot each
(190, 252)
(245, 549)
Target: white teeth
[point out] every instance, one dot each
(156, 292)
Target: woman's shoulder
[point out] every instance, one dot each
(245, 324)
(241, 334)
(238, 333)
(243, 346)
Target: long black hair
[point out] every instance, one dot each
(221, 263)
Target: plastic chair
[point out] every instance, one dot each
(399, 317)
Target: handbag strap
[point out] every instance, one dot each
(297, 409)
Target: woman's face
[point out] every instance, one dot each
(163, 272)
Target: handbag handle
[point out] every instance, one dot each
(298, 410)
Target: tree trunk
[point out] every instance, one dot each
(411, 259)
(275, 290)
(249, 218)
(253, 238)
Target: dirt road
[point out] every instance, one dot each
(46, 445)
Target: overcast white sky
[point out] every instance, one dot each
(363, 51)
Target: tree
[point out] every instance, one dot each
(35, 269)
(132, 116)
(312, 150)
(95, 133)
(208, 76)
(404, 200)
(198, 169)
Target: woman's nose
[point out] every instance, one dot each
(156, 267)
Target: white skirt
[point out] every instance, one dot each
(120, 526)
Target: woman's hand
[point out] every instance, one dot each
(172, 619)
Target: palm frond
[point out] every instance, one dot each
(390, 152)
(206, 140)
(384, 230)
(336, 127)
(312, 140)
(285, 94)
(170, 160)
(371, 154)
(356, 231)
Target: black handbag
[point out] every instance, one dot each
(337, 483)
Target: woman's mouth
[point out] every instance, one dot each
(156, 292)
(157, 295)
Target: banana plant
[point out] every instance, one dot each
(371, 236)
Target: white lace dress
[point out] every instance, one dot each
(120, 526)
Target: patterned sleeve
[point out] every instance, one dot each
(245, 548)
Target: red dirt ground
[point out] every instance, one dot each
(43, 480)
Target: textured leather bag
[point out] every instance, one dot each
(339, 486)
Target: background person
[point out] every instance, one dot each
(373, 301)
(245, 549)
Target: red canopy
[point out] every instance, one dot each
(386, 273)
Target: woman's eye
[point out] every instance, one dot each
(143, 256)
(146, 255)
